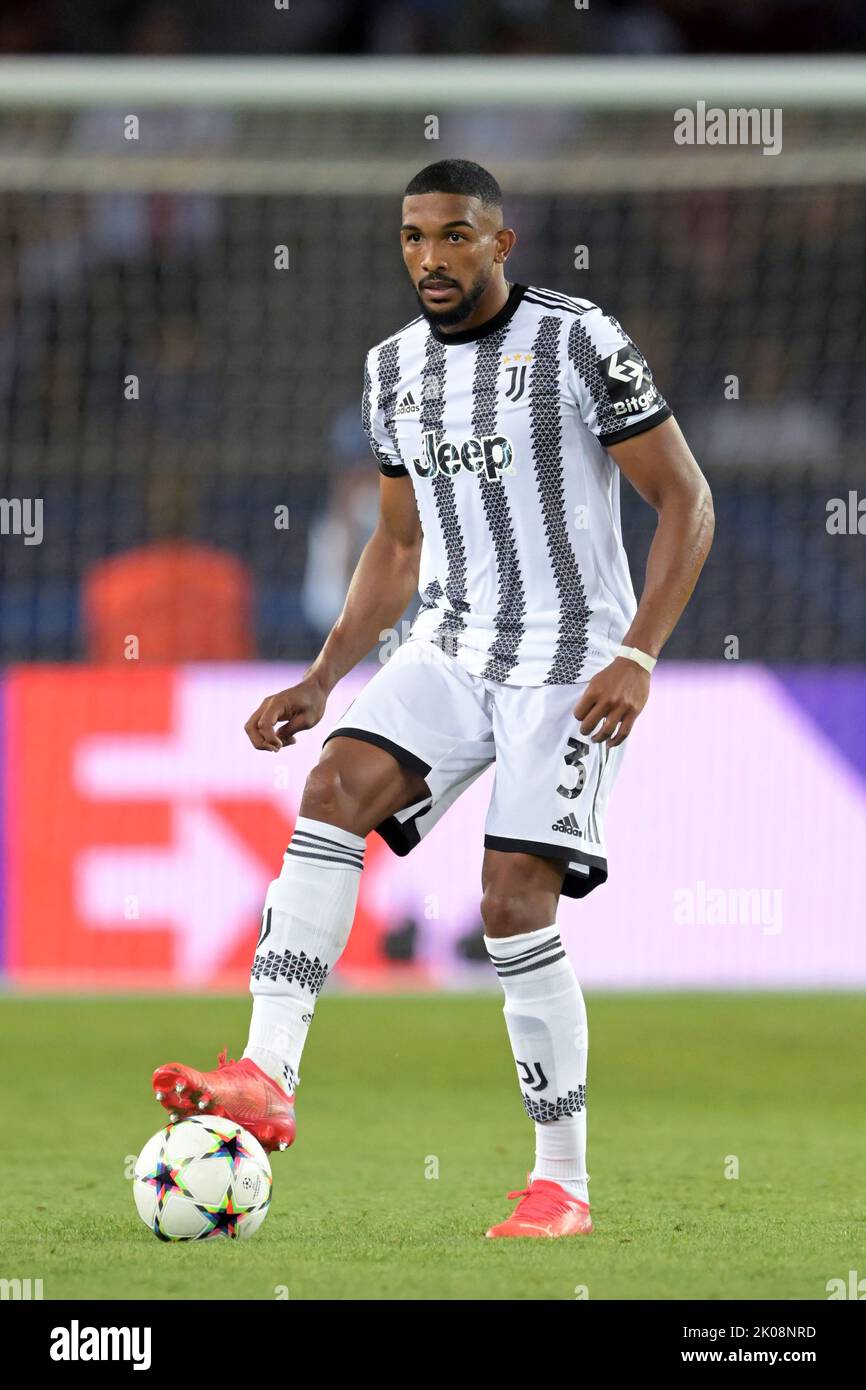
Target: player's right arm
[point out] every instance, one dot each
(385, 578)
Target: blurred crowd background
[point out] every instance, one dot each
(249, 377)
(431, 26)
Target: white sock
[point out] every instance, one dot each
(306, 922)
(560, 1146)
(545, 1015)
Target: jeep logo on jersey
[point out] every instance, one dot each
(625, 372)
(491, 453)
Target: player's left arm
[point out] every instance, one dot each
(660, 465)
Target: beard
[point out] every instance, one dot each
(447, 318)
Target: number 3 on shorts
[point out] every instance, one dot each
(577, 751)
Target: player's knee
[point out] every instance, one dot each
(326, 796)
(507, 912)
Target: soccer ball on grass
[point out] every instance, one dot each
(201, 1178)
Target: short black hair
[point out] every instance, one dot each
(457, 176)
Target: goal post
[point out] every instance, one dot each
(607, 84)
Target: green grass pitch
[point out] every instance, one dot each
(677, 1083)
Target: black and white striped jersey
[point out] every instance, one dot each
(504, 431)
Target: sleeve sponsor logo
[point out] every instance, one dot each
(629, 382)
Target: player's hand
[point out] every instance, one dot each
(299, 707)
(617, 695)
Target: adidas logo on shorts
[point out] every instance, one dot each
(568, 825)
(407, 406)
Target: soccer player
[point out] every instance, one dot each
(501, 418)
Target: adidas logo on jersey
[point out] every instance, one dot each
(492, 454)
(568, 825)
(407, 406)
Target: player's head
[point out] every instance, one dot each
(453, 239)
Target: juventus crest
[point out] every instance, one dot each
(515, 364)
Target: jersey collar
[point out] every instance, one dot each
(471, 335)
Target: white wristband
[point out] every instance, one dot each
(635, 654)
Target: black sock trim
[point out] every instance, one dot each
(527, 955)
(322, 858)
(537, 965)
(310, 841)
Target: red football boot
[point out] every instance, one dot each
(238, 1091)
(546, 1210)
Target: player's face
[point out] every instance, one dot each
(451, 246)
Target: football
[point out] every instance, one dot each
(202, 1178)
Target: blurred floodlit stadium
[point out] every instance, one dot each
(198, 243)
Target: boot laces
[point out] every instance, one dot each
(541, 1203)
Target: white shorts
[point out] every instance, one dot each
(551, 783)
